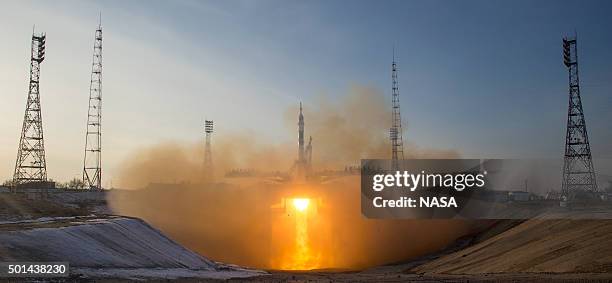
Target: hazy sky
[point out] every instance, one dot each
(483, 77)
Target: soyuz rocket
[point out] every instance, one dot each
(302, 167)
(301, 153)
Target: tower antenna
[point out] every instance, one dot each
(92, 162)
(578, 170)
(31, 165)
(395, 133)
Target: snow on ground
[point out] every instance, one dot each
(39, 220)
(117, 247)
(162, 273)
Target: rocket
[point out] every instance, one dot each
(301, 156)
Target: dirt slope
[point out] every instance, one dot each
(558, 246)
(17, 207)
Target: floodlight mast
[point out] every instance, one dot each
(31, 165)
(208, 163)
(578, 170)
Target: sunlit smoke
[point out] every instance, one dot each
(245, 221)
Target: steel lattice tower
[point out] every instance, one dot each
(208, 164)
(578, 171)
(31, 165)
(92, 164)
(395, 133)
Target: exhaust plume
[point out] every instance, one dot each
(249, 221)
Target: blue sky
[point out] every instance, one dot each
(483, 77)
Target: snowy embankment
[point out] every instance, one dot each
(116, 247)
